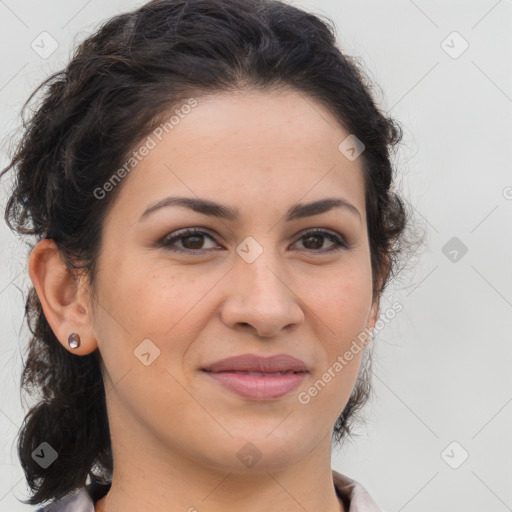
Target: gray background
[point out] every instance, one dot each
(443, 385)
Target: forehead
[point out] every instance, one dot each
(247, 149)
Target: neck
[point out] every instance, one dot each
(184, 486)
(170, 474)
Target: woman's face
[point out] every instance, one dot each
(254, 283)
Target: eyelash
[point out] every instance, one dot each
(185, 233)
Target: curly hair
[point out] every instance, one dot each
(90, 116)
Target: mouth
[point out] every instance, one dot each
(257, 386)
(252, 363)
(256, 374)
(258, 378)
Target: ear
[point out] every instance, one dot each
(373, 315)
(64, 297)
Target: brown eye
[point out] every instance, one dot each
(191, 240)
(314, 240)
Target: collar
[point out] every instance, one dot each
(354, 496)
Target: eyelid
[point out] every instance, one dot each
(184, 233)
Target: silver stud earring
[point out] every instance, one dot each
(74, 340)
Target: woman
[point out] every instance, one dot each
(211, 188)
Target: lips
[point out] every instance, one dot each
(258, 378)
(250, 364)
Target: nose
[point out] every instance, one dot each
(259, 297)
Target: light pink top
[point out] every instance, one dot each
(350, 491)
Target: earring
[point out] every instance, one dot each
(74, 340)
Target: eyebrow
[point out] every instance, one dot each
(213, 209)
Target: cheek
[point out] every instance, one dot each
(149, 298)
(340, 299)
(160, 303)
(341, 308)
(139, 303)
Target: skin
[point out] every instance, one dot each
(176, 433)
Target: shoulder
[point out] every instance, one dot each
(78, 502)
(81, 501)
(354, 495)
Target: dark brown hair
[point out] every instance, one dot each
(114, 92)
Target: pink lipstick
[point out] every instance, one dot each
(259, 378)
